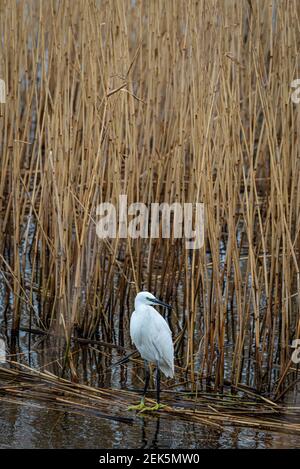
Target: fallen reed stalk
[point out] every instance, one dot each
(46, 389)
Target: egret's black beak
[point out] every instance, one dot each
(158, 302)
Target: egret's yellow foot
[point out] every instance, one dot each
(157, 406)
(140, 407)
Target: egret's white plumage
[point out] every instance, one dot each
(152, 337)
(151, 334)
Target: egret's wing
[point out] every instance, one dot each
(159, 341)
(153, 338)
(164, 346)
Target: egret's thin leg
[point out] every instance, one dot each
(157, 384)
(141, 405)
(147, 378)
(157, 406)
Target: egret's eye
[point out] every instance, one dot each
(149, 299)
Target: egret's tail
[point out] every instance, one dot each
(167, 370)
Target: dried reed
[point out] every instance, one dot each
(163, 101)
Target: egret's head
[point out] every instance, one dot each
(146, 298)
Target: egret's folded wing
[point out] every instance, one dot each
(163, 344)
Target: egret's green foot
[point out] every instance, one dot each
(157, 406)
(140, 407)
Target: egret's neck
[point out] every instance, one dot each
(140, 306)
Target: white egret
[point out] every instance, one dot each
(152, 337)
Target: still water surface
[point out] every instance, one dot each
(25, 427)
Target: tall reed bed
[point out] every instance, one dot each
(164, 101)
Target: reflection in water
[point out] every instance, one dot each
(149, 439)
(33, 426)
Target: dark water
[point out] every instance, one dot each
(25, 427)
(30, 424)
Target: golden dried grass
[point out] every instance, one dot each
(162, 101)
